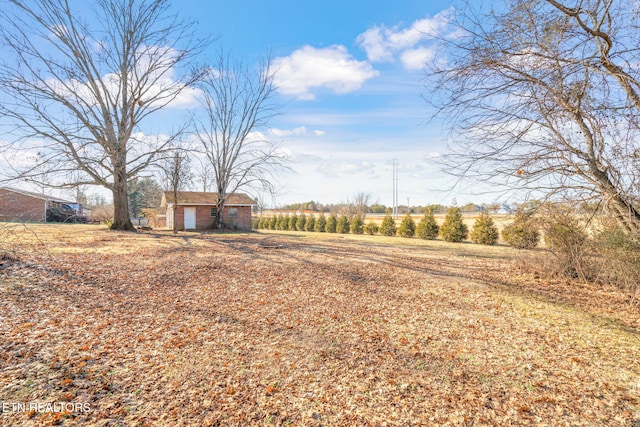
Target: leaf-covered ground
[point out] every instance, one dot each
(265, 329)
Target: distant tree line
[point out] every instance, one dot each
(378, 208)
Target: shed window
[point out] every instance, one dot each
(233, 212)
(214, 212)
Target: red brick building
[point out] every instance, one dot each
(197, 210)
(20, 205)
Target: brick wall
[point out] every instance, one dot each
(20, 207)
(244, 217)
(205, 221)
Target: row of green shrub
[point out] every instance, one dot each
(322, 223)
(453, 228)
(522, 233)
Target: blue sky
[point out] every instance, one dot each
(351, 87)
(351, 82)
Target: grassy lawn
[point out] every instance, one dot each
(305, 329)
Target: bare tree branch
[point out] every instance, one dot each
(79, 92)
(543, 98)
(237, 109)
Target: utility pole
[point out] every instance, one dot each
(393, 194)
(395, 190)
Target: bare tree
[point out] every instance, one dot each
(83, 89)
(545, 98)
(261, 203)
(358, 206)
(177, 175)
(204, 175)
(237, 106)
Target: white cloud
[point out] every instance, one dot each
(308, 68)
(188, 98)
(301, 130)
(303, 159)
(414, 59)
(160, 83)
(20, 155)
(373, 42)
(382, 43)
(432, 155)
(333, 169)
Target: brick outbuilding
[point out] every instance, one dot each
(198, 210)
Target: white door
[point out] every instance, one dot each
(189, 218)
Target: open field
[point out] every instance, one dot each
(304, 329)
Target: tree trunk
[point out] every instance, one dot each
(175, 215)
(624, 210)
(121, 219)
(627, 215)
(220, 207)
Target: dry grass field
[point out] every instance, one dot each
(302, 329)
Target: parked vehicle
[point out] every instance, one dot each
(64, 213)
